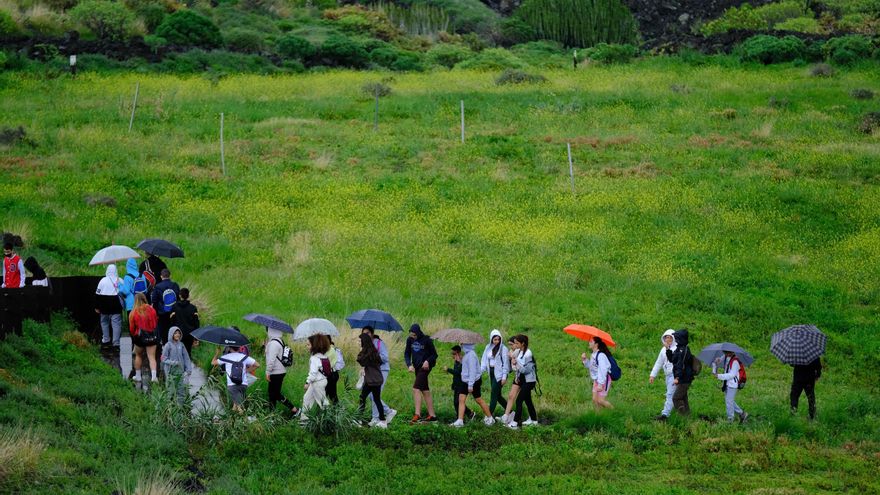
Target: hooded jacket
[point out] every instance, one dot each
(382, 349)
(681, 358)
(662, 360)
(185, 315)
(420, 349)
(174, 356)
(500, 363)
(470, 366)
(526, 366)
(274, 348)
(126, 288)
(107, 300)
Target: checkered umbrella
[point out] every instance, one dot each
(800, 344)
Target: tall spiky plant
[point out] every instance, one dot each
(580, 22)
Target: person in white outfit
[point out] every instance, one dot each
(665, 364)
(496, 362)
(316, 380)
(731, 385)
(109, 307)
(600, 371)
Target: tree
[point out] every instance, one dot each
(107, 20)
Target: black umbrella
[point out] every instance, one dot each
(378, 319)
(220, 336)
(161, 248)
(800, 344)
(269, 321)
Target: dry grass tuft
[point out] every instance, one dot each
(76, 339)
(20, 452)
(151, 483)
(643, 170)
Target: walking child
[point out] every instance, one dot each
(472, 381)
(457, 384)
(276, 369)
(599, 365)
(731, 384)
(237, 367)
(526, 379)
(176, 364)
(507, 417)
(663, 362)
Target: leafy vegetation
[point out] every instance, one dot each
(580, 22)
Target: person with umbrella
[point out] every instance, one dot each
(420, 356)
(319, 370)
(599, 364)
(732, 382)
(804, 380)
(801, 346)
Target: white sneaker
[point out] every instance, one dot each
(458, 423)
(488, 421)
(373, 422)
(504, 418)
(529, 422)
(382, 424)
(390, 415)
(512, 426)
(154, 380)
(136, 378)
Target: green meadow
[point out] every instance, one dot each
(730, 200)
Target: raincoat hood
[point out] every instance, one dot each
(467, 348)
(274, 334)
(111, 272)
(492, 335)
(109, 285)
(681, 337)
(416, 329)
(131, 267)
(669, 332)
(171, 333)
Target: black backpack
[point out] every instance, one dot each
(236, 374)
(286, 358)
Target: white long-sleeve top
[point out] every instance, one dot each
(273, 357)
(732, 375)
(500, 363)
(315, 374)
(340, 361)
(662, 362)
(600, 367)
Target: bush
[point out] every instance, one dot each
(41, 20)
(514, 76)
(859, 23)
(448, 55)
(821, 70)
(293, 47)
(468, 16)
(612, 54)
(8, 26)
(543, 53)
(244, 40)
(3, 59)
(862, 94)
(800, 25)
(340, 50)
(408, 61)
(153, 15)
(188, 28)
(750, 18)
(870, 122)
(360, 20)
(515, 31)
(771, 50)
(199, 61)
(107, 20)
(847, 50)
(373, 89)
(492, 59)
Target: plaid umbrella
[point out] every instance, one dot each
(799, 344)
(458, 336)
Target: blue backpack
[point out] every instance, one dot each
(140, 285)
(615, 369)
(169, 299)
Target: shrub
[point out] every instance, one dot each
(448, 55)
(862, 94)
(611, 54)
(750, 18)
(3, 59)
(244, 40)
(515, 31)
(580, 22)
(372, 89)
(821, 70)
(8, 26)
(514, 76)
(360, 20)
(492, 59)
(408, 61)
(153, 15)
(870, 122)
(800, 25)
(847, 50)
(468, 16)
(188, 28)
(338, 420)
(199, 61)
(340, 50)
(155, 42)
(291, 46)
(107, 20)
(859, 23)
(42, 20)
(771, 50)
(543, 53)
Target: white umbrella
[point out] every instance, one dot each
(112, 254)
(315, 326)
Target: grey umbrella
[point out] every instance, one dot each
(799, 344)
(714, 351)
(269, 321)
(458, 336)
(315, 326)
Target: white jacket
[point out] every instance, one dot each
(662, 361)
(600, 367)
(500, 363)
(315, 374)
(732, 375)
(273, 354)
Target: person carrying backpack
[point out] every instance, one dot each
(186, 316)
(176, 364)
(319, 370)
(472, 382)
(127, 287)
(164, 297)
(599, 365)
(237, 367)
(151, 269)
(278, 358)
(369, 359)
(337, 362)
(526, 380)
(665, 364)
(682, 371)
(733, 379)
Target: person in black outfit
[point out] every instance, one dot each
(682, 371)
(804, 380)
(186, 317)
(154, 265)
(158, 303)
(420, 356)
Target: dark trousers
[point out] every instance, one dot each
(188, 343)
(804, 386)
(275, 395)
(376, 390)
(680, 399)
(163, 324)
(496, 397)
(332, 380)
(525, 397)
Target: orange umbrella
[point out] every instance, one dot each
(586, 332)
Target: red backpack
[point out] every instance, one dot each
(741, 378)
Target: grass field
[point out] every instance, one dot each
(731, 201)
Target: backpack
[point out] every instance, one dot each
(236, 374)
(169, 298)
(140, 285)
(741, 378)
(615, 369)
(696, 365)
(326, 369)
(149, 276)
(286, 358)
